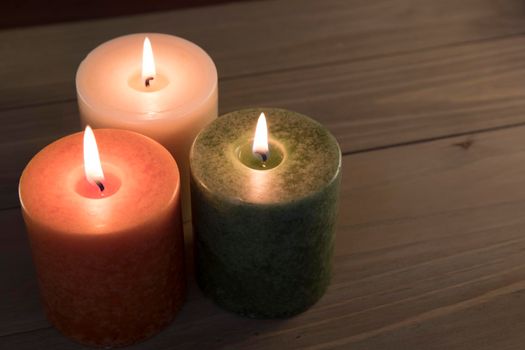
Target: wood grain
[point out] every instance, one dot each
(429, 250)
(430, 246)
(366, 104)
(400, 98)
(20, 307)
(35, 12)
(38, 64)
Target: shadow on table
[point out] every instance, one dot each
(199, 325)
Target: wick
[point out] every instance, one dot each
(147, 81)
(100, 185)
(263, 156)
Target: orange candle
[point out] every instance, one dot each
(106, 236)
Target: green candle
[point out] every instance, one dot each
(264, 219)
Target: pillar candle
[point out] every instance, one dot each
(264, 218)
(107, 247)
(165, 88)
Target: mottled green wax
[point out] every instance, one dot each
(264, 237)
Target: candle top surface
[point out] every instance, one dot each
(141, 176)
(109, 78)
(309, 158)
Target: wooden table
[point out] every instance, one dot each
(427, 99)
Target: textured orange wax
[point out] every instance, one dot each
(110, 268)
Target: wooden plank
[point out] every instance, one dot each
(366, 104)
(402, 98)
(34, 12)
(38, 64)
(430, 238)
(45, 124)
(473, 328)
(18, 278)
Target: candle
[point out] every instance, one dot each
(106, 238)
(264, 213)
(159, 85)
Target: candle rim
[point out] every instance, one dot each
(35, 215)
(254, 113)
(182, 108)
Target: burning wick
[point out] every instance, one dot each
(260, 141)
(263, 156)
(100, 185)
(148, 63)
(92, 166)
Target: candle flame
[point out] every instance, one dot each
(260, 141)
(92, 166)
(148, 62)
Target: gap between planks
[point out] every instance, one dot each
(306, 67)
(403, 144)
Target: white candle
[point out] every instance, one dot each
(171, 101)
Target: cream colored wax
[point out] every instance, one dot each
(171, 108)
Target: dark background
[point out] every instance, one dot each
(34, 12)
